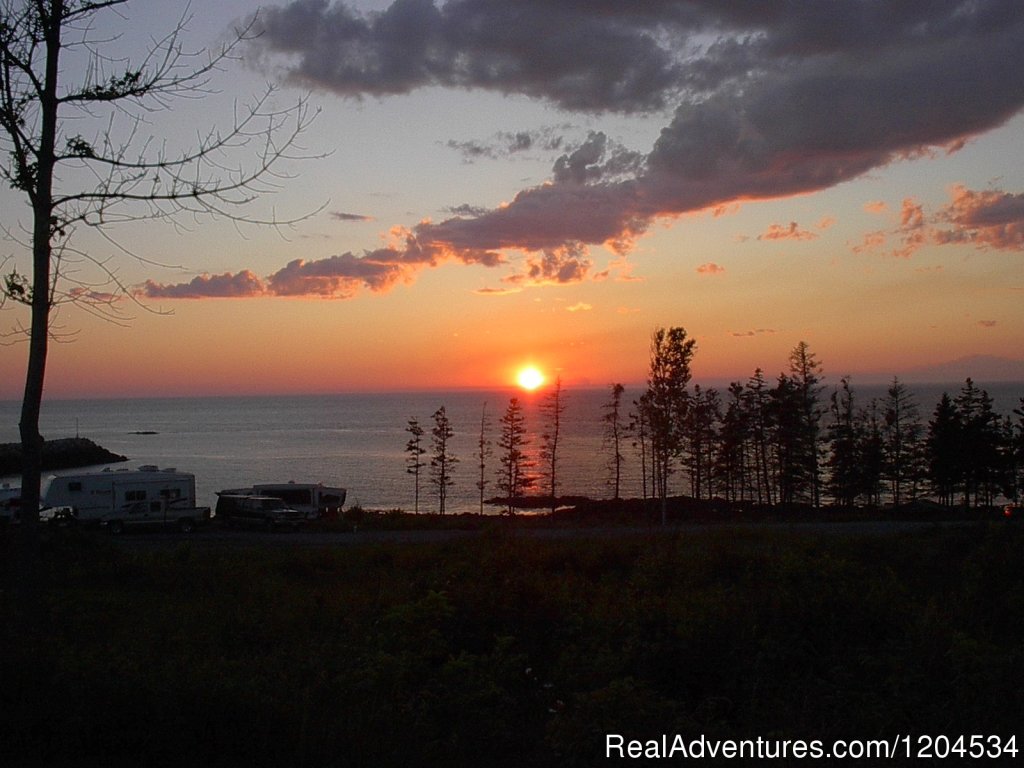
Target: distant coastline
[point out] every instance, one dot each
(63, 453)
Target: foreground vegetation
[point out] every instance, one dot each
(507, 650)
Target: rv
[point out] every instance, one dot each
(313, 500)
(95, 495)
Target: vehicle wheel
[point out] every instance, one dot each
(186, 525)
(116, 527)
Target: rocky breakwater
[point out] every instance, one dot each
(63, 453)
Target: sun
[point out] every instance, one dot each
(529, 377)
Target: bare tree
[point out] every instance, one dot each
(121, 173)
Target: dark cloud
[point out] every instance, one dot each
(767, 100)
(505, 144)
(770, 99)
(341, 216)
(561, 266)
(581, 57)
(244, 284)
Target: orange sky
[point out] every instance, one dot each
(465, 229)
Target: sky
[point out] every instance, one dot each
(490, 183)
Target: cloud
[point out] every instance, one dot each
(746, 334)
(710, 269)
(340, 216)
(580, 306)
(791, 232)
(987, 323)
(759, 101)
(244, 284)
(561, 266)
(989, 219)
(506, 144)
(875, 206)
(578, 57)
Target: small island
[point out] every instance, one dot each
(63, 453)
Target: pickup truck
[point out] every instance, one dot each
(178, 514)
(266, 512)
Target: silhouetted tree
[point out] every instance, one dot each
(1016, 473)
(442, 460)
(640, 429)
(805, 375)
(668, 399)
(612, 437)
(943, 447)
(981, 438)
(513, 477)
(552, 408)
(846, 436)
(121, 173)
(901, 439)
(483, 452)
(700, 428)
(414, 461)
(735, 449)
(759, 403)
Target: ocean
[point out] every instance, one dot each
(358, 441)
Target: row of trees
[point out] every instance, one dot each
(516, 474)
(785, 443)
(772, 443)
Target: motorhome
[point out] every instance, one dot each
(313, 500)
(95, 495)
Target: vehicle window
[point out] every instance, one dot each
(135, 495)
(74, 486)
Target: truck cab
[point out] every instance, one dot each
(266, 512)
(178, 514)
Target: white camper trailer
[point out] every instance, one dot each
(95, 495)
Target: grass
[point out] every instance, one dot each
(506, 650)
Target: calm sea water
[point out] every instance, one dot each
(358, 440)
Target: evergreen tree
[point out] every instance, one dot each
(612, 438)
(442, 460)
(639, 427)
(759, 408)
(701, 431)
(943, 450)
(805, 375)
(552, 408)
(901, 438)
(667, 403)
(414, 461)
(846, 438)
(483, 452)
(981, 440)
(736, 450)
(513, 477)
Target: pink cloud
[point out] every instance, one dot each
(791, 232)
(990, 219)
(244, 284)
(710, 269)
